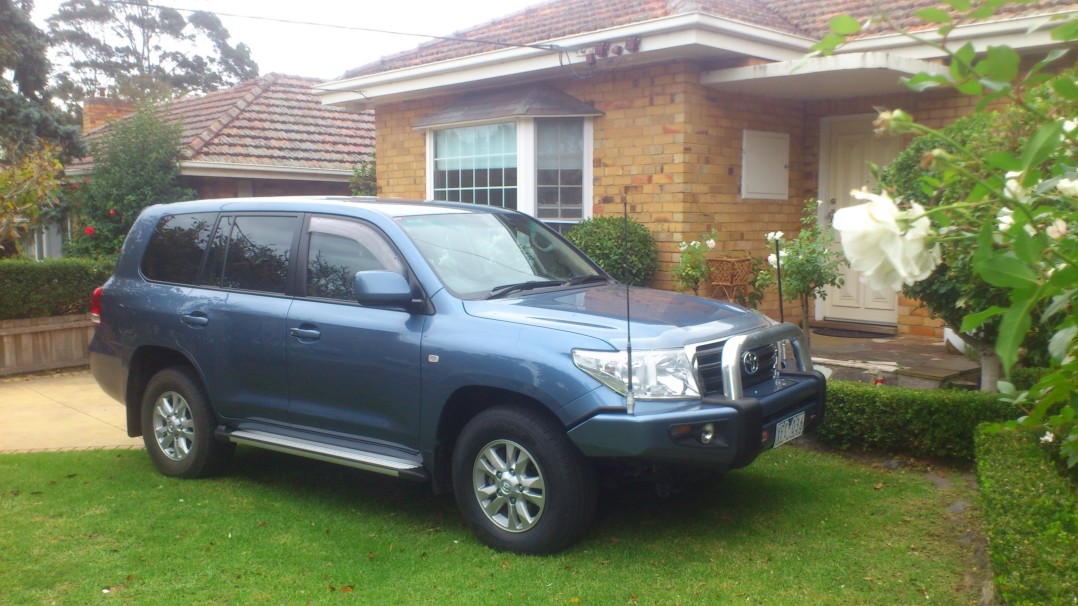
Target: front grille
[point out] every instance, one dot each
(709, 366)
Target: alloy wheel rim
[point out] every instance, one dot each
(173, 425)
(509, 486)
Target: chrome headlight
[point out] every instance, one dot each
(658, 374)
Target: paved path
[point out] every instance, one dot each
(65, 411)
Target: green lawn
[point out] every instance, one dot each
(796, 527)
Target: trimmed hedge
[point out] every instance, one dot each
(923, 422)
(53, 287)
(1031, 519)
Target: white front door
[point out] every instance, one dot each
(848, 146)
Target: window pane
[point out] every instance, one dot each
(559, 173)
(252, 253)
(174, 253)
(340, 248)
(476, 169)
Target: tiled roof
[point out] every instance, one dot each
(271, 121)
(560, 18)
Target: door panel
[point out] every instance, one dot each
(851, 146)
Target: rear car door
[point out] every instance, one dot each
(353, 370)
(235, 318)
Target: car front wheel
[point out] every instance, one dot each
(178, 425)
(521, 485)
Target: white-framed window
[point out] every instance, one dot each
(539, 166)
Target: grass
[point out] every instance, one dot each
(796, 527)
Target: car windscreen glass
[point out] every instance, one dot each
(476, 254)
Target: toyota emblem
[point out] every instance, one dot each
(750, 363)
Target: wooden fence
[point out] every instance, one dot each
(44, 343)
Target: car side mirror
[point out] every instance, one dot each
(382, 288)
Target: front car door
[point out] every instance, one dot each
(353, 370)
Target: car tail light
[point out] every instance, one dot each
(95, 306)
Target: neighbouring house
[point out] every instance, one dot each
(268, 136)
(693, 115)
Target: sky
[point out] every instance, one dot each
(327, 52)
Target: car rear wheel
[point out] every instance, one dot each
(520, 483)
(178, 425)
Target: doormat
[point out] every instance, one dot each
(847, 333)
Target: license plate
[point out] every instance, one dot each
(790, 428)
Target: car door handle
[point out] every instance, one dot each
(194, 319)
(305, 333)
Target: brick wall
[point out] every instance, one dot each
(670, 150)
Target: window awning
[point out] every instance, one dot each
(536, 101)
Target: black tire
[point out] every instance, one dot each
(543, 498)
(178, 426)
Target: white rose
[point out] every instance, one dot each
(710, 244)
(1014, 189)
(1005, 219)
(772, 260)
(1057, 229)
(1068, 187)
(890, 246)
(682, 246)
(774, 236)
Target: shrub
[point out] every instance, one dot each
(1031, 519)
(922, 422)
(54, 287)
(631, 258)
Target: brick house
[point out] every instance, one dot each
(697, 115)
(265, 137)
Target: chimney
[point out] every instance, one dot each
(98, 111)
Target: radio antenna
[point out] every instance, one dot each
(630, 397)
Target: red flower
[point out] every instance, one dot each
(89, 230)
(112, 212)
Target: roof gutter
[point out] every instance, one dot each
(657, 35)
(255, 171)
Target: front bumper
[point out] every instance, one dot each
(742, 428)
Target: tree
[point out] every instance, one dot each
(364, 181)
(27, 186)
(26, 117)
(141, 52)
(137, 164)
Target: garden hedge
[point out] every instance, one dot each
(936, 423)
(53, 287)
(1031, 519)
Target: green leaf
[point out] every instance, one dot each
(969, 87)
(1041, 145)
(922, 82)
(1003, 160)
(1006, 271)
(1058, 304)
(1006, 388)
(933, 15)
(828, 44)
(1013, 330)
(1028, 248)
(844, 25)
(1066, 31)
(1066, 88)
(1061, 342)
(1000, 64)
(973, 321)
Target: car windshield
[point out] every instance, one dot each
(480, 255)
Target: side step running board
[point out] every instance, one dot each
(359, 459)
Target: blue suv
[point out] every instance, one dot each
(466, 346)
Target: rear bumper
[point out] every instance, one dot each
(741, 429)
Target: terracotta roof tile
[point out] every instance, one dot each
(560, 18)
(273, 120)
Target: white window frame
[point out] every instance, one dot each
(526, 161)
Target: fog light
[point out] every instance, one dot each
(707, 433)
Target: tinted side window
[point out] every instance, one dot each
(251, 253)
(337, 250)
(174, 253)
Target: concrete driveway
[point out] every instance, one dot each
(63, 411)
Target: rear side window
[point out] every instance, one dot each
(174, 253)
(251, 253)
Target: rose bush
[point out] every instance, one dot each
(1030, 250)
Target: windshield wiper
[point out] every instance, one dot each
(577, 281)
(501, 291)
